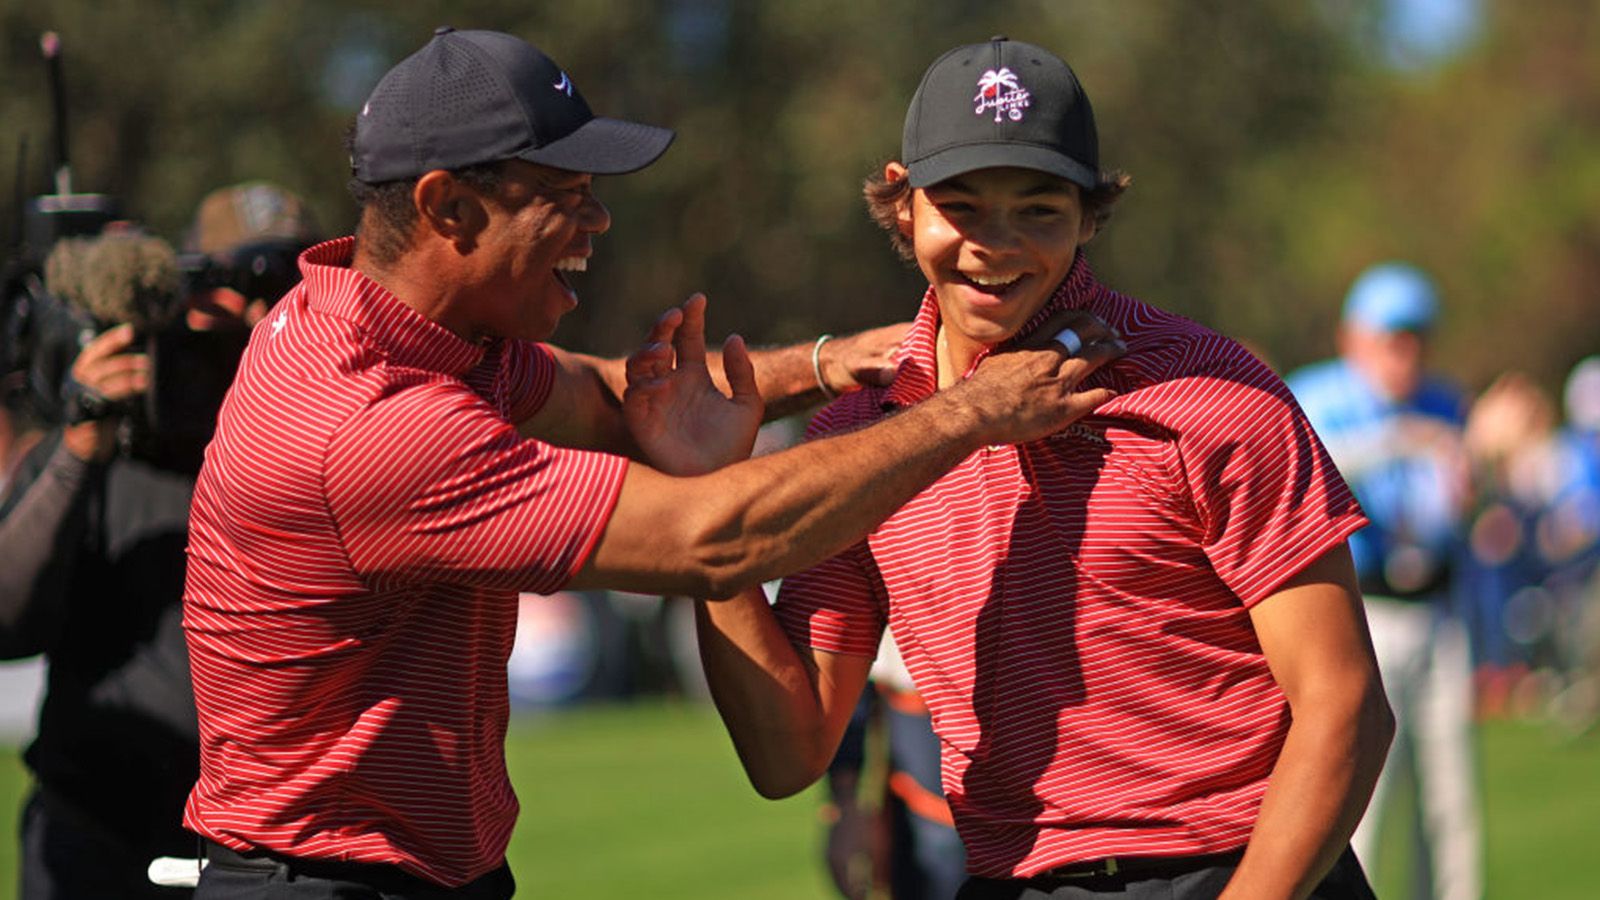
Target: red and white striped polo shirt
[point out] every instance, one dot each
(1075, 610)
(365, 519)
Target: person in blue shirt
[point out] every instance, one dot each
(1394, 429)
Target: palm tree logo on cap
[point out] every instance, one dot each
(1009, 103)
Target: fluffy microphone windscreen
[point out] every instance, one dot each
(117, 277)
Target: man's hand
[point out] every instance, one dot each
(107, 370)
(1030, 391)
(682, 424)
(860, 360)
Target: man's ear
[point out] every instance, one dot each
(894, 172)
(449, 208)
(1088, 229)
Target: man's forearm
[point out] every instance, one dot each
(766, 694)
(788, 380)
(717, 534)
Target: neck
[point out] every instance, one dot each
(953, 357)
(412, 281)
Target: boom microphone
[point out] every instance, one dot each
(117, 277)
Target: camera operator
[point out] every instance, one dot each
(93, 530)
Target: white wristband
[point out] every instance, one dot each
(816, 366)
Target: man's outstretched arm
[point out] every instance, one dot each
(715, 534)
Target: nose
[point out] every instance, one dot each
(993, 235)
(594, 218)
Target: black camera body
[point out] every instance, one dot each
(190, 373)
(263, 270)
(39, 335)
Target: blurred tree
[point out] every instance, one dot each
(1275, 149)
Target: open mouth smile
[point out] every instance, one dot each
(569, 264)
(991, 284)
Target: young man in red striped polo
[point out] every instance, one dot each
(398, 458)
(1140, 637)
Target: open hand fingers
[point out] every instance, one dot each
(739, 370)
(652, 361)
(120, 377)
(690, 340)
(666, 325)
(654, 358)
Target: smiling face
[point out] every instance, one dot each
(539, 225)
(994, 244)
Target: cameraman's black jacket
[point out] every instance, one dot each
(93, 578)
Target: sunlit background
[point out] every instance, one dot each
(1277, 146)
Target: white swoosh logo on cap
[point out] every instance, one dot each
(564, 85)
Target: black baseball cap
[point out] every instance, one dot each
(1000, 103)
(472, 97)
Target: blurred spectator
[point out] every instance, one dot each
(93, 533)
(1571, 532)
(1534, 543)
(903, 843)
(1394, 430)
(1510, 437)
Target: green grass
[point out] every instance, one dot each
(1541, 797)
(649, 800)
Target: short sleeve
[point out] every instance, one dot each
(1269, 498)
(466, 499)
(837, 605)
(531, 371)
(834, 605)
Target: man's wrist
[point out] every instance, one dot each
(963, 423)
(828, 393)
(85, 404)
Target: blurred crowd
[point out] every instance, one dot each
(1531, 597)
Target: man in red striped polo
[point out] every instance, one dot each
(398, 458)
(1140, 638)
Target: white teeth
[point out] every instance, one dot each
(573, 264)
(992, 280)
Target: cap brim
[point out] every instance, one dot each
(603, 146)
(972, 157)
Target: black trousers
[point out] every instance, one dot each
(1346, 881)
(231, 876)
(65, 856)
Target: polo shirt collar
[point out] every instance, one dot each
(389, 326)
(918, 374)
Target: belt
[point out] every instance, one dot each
(385, 878)
(1134, 868)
